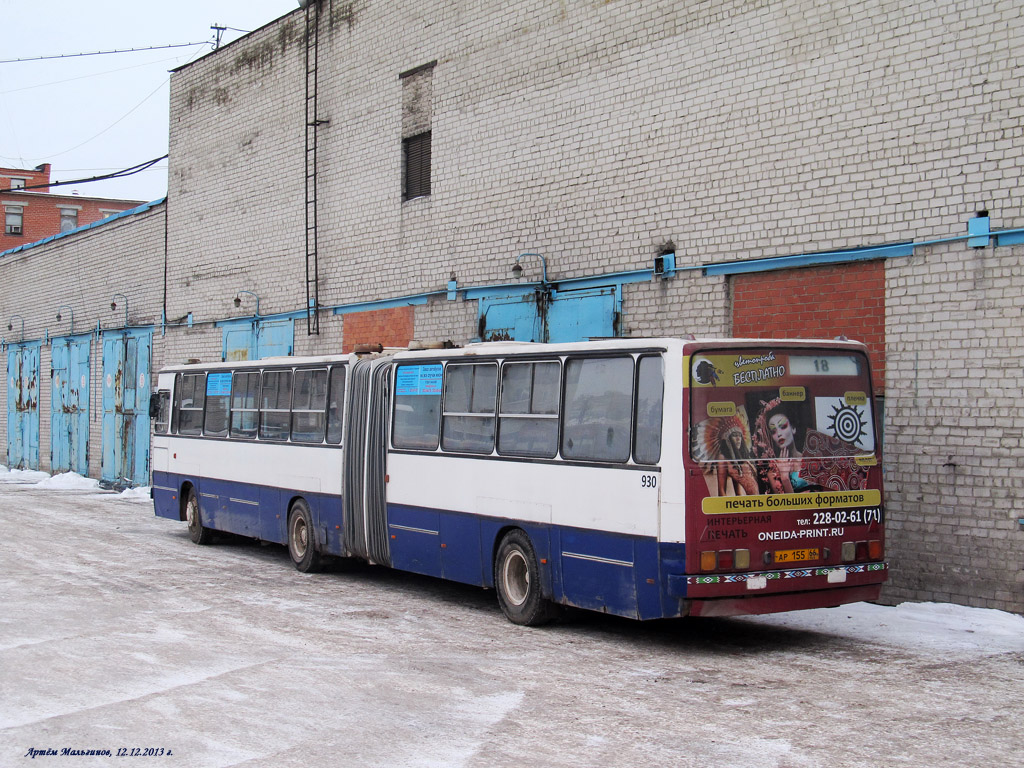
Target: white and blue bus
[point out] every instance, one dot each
(646, 478)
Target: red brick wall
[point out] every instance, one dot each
(390, 327)
(41, 214)
(816, 302)
(31, 177)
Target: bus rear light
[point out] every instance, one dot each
(862, 550)
(741, 559)
(725, 560)
(875, 549)
(849, 551)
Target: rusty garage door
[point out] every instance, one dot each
(23, 405)
(126, 356)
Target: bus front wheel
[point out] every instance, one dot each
(198, 532)
(517, 580)
(301, 538)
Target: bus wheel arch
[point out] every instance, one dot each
(518, 582)
(192, 514)
(302, 537)
(183, 492)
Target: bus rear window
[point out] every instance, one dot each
(781, 421)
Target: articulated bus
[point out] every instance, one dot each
(648, 478)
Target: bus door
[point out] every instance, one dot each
(23, 406)
(126, 355)
(364, 508)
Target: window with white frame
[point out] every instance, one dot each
(13, 220)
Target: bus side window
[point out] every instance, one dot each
(417, 407)
(598, 409)
(650, 389)
(336, 405)
(218, 397)
(275, 405)
(309, 406)
(528, 417)
(193, 398)
(245, 391)
(469, 400)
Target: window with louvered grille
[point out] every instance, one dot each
(416, 152)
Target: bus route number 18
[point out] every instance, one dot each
(648, 481)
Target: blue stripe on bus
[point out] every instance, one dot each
(613, 573)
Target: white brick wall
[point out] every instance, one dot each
(954, 427)
(84, 271)
(594, 132)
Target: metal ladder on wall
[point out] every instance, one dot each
(312, 124)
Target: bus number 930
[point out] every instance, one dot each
(648, 481)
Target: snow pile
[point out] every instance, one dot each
(69, 481)
(136, 494)
(20, 475)
(941, 628)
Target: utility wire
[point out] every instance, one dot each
(101, 53)
(122, 117)
(94, 74)
(115, 175)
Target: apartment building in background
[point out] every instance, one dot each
(32, 212)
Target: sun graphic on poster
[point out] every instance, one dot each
(848, 423)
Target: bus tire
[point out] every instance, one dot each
(198, 532)
(302, 538)
(517, 582)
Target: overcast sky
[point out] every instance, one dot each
(92, 115)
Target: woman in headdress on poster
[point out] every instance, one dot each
(775, 447)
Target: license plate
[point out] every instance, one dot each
(797, 555)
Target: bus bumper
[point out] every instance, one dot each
(750, 605)
(740, 594)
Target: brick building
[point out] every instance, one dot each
(32, 213)
(739, 168)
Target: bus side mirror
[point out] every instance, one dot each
(154, 405)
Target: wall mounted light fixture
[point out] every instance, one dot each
(238, 300)
(113, 306)
(70, 312)
(517, 269)
(10, 325)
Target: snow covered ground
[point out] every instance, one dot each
(66, 481)
(118, 633)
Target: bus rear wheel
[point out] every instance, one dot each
(517, 581)
(199, 533)
(302, 539)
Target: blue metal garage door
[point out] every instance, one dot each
(23, 406)
(254, 339)
(69, 404)
(126, 356)
(555, 316)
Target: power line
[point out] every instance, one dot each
(102, 53)
(122, 117)
(115, 175)
(94, 74)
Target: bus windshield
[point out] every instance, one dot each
(767, 421)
